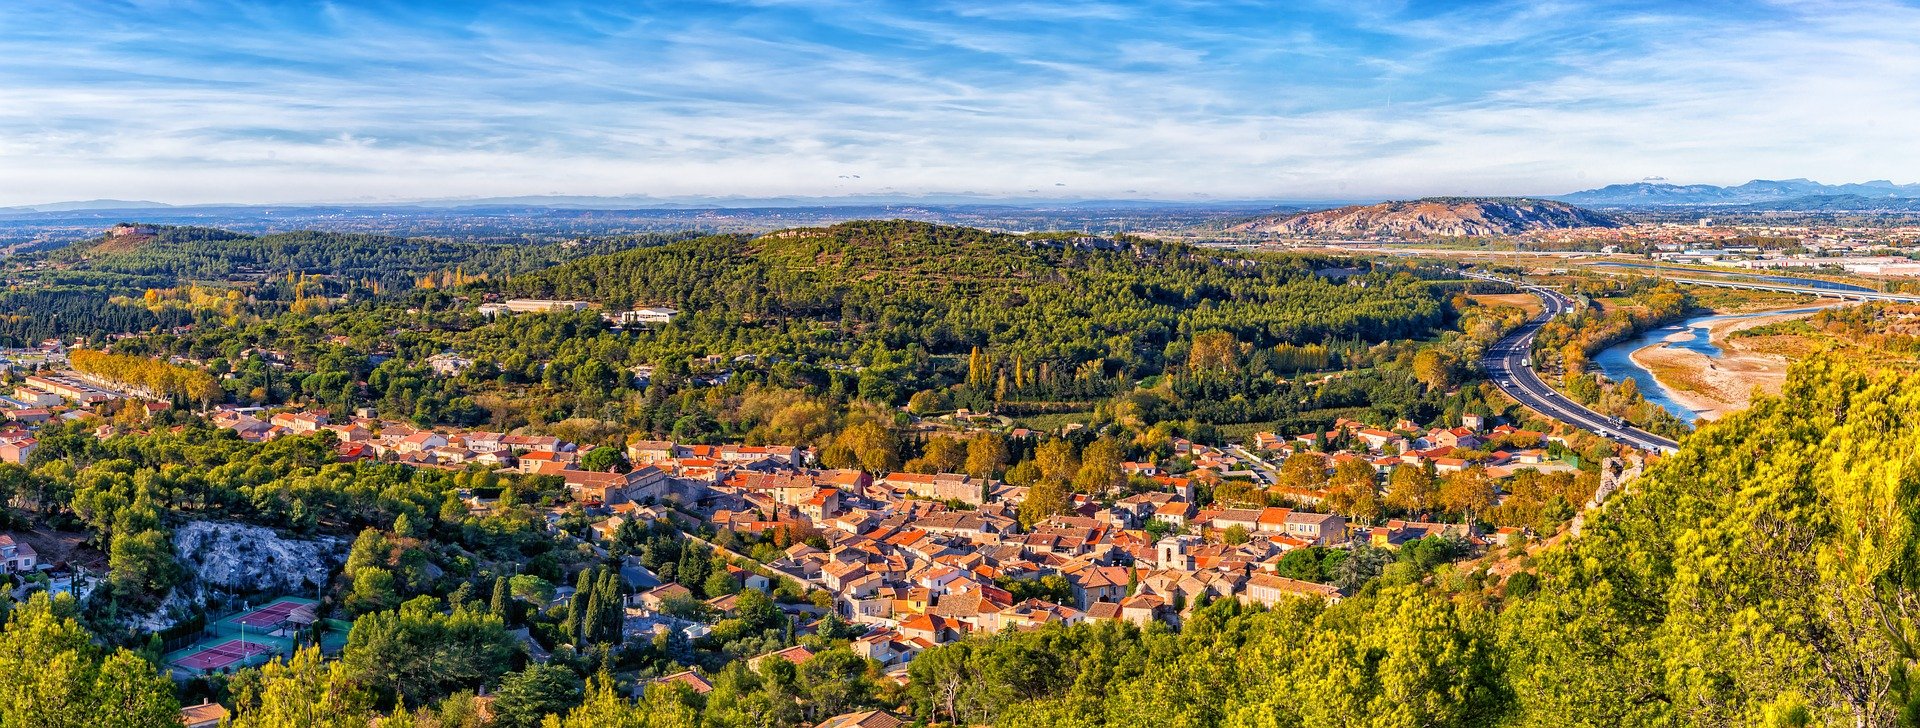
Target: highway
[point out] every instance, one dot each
(1506, 363)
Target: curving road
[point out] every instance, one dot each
(1506, 363)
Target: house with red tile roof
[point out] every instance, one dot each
(932, 628)
(862, 719)
(207, 714)
(797, 654)
(699, 685)
(17, 556)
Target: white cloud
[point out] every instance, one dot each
(351, 105)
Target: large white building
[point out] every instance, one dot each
(533, 305)
(648, 315)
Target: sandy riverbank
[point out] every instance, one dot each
(1717, 387)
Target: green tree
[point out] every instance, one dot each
(53, 676)
(499, 604)
(603, 459)
(1303, 471)
(986, 455)
(1044, 499)
(305, 691)
(373, 591)
(419, 654)
(525, 697)
(835, 682)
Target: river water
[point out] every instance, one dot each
(1617, 361)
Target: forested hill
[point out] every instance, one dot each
(175, 254)
(949, 288)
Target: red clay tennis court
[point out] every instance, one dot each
(222, 655)
(272, 615)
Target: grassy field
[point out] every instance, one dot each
(1055, 421)
(1733, 300)
(1523, 301)
(1244, 431)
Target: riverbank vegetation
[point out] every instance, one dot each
(1883, 332)
(1612, 310)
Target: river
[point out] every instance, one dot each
(1617, 361)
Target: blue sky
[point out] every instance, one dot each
(190, 102)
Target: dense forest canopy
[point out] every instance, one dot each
(947, 289)
(195, 253)
(879, 311)
(139, 278)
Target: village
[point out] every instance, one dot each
(912, 560)
(924, 559)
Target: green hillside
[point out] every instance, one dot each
(161, 255)
(948, 288)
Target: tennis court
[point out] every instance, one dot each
(274, 615)
(216, 656)
(247, 638)
(288, 613)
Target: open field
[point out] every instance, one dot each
(1524, 301)
(1737, 300)
(1052, 422)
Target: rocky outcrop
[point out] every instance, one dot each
(237, 558)
(1432, 217)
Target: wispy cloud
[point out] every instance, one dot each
(236, 101)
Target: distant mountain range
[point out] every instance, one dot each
(80, 205)
(1757, 192)
(1836, 203)
(1432, 217)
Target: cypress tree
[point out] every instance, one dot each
(577, 607)
(612, 615)
(499, 605)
